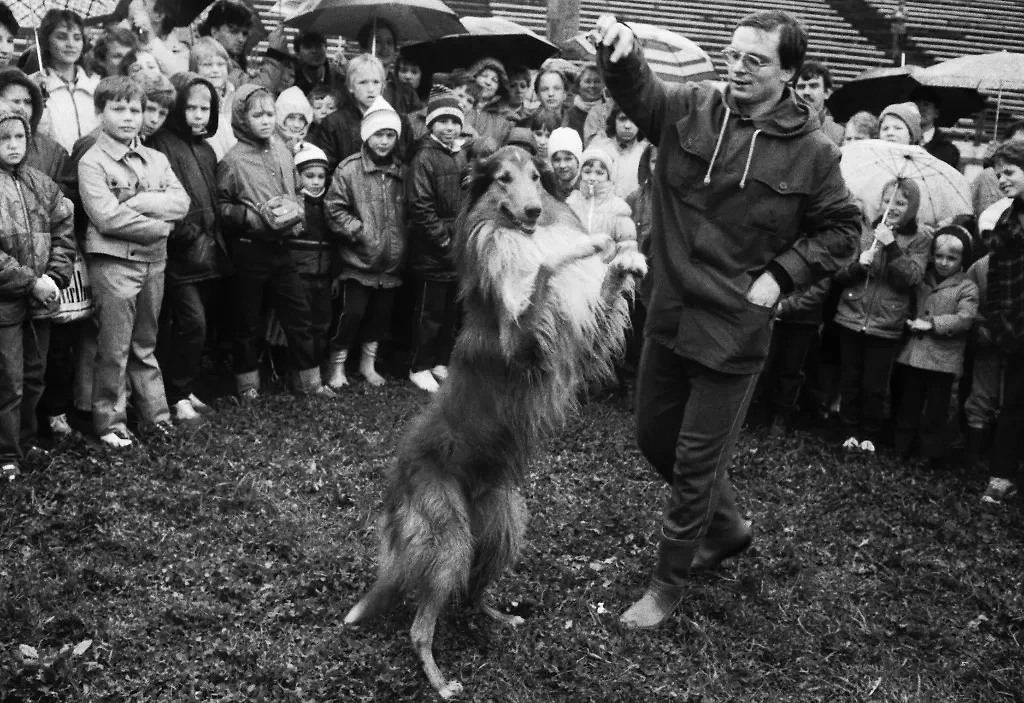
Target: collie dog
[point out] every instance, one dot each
(545, 313)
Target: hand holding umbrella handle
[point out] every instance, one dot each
(884, 235)
(611, 33)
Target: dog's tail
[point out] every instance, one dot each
(381, 598)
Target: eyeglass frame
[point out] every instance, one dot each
(751, 62)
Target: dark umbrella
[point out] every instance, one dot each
(184, 12)
(497, 37)
(877, 88)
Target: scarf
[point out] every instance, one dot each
(585, 105)
(1004, 302)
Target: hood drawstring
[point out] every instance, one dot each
(718, 146)
(750, 157)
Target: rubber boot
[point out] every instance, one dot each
(667, 586)
(977, 442)
(366, 364)
(336, 370)
(728, 533)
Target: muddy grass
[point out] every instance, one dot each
(218, 566)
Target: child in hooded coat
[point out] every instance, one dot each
(874, 306)
(596, 204)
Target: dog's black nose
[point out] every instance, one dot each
(532, 213)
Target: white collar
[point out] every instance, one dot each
(927, 136)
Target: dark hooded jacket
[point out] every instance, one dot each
(434, 194)
(733, 198)
(339, 134)
(44, 154)
(251, 173)
(36, 235)
(195, 248)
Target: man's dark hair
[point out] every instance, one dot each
(1010, 153)
(7, 20)
(226, 12)
(816, 69)
(792, 35)
(1013, 128)
(116, 88)
(304, 39)
(365, 36)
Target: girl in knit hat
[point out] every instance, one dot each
(366, 214)
(901, 124)
(294, 116)
(565, 150)
(596, 204)
(874, 306)
(491, 118)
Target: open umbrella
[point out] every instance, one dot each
(413, 20)
(505, 40)
(876, 88)
(867, 166)
(29, 13)
(1002, 70)
(670, 55)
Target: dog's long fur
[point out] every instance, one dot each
(544, 315)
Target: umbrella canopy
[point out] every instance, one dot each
(29, 13)
(876, 88)
(867, 166)
(1002, 70)
(413, 20)
(505, 40)
(185, 12)
(672, 56)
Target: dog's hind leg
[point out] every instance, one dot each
(499, 527)
(422, 635)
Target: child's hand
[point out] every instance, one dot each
(45, 291)
(280, 213)
(884, 234)
(866, 257)
(919, 325)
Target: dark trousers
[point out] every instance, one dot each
(23, 350)
(365, 315)
(259, 267)
(923, 411)
(437, 318)
(183, 324)
(687, 420)
(864, 368)
(783, 373)
(1007, 443)
(318, 291)
(60, 369)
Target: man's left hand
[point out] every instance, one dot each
(765, 291)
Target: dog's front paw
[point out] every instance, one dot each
(629, 262)
(450, 690)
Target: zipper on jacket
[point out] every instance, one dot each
(28, 222)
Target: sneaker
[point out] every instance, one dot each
(199, 406)
(998, 490)
(59, 426)
(867, 446)
(9, 472)
(440, 372)
(186, 414)
(118, 438)
(160, 430)
(851, 443)
(323, 392)
(424, 380)
(250, 395)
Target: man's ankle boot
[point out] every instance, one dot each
(977, 445)
(722, 544)
(667, 586)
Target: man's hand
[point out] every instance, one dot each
(920, 325)
(277, 40)
(611, 33)
(765, 291)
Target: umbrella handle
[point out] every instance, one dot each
(39, 49)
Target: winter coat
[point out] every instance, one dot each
(251, 173)
(603, 212)
(625, 162)
(877, 300)
(942, 148)
(733, 198)
(339, 134)
(36, 236)
(69, 113)
(366, 211)
(311, 249)
(830, 128)
(978, 273)
(1004, 290)
(131, 196)
(434, 196)
(491, 121)
(807, 306)
(951, 306)
(195, 249)
(44, 154)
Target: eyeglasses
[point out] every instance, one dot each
(751, 62)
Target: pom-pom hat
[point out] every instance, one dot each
(307, 154)
(442, 102)
(380, 115)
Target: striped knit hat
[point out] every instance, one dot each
(442, 101)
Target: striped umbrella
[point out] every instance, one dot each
(670, 55)
(29, 13)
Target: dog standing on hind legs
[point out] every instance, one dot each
(545, 314)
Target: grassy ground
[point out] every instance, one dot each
(218, 567)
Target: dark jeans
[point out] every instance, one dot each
(22, 370)
(183, 324)
(60, 369)
(687, 421)
(923, 411)
(318, 291)
(260, 266)
(783, 373)
(365, 315)
(437, 318)
(1007, 444)
(865, 366)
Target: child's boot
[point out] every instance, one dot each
(366, 364)
(336, 369)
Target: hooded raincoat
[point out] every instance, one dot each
(734, 197)
(44, 154)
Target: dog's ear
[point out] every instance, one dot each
(547, 176)
(481, 178)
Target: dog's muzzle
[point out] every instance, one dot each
(527, 222)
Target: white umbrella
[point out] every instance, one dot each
(996, 72)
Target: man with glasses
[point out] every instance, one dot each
(749, 204)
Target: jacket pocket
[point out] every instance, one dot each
(774, 204)
(686, 168)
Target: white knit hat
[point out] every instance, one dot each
(601, 155)
(380, 115)
(292, 101)
(566, 139)
(307, 154)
